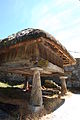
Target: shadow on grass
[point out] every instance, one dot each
(11, 100)
(11, 92)
(7, 111)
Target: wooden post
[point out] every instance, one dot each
(63, 85)
(36, 93)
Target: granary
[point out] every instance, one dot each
(34, 52)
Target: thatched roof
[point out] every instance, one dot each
(23, 35)
(32, 34)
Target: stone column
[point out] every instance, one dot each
(36, 93)
(63, 85)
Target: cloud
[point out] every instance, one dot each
(62, 2)
(77, 21)
(71, 40)
(62, 24)
(44, 17)
(47, 20)
(49, 23)
(68, 34)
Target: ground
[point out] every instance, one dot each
(70, 110)
(13, 102)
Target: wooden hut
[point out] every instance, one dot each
(33, 52)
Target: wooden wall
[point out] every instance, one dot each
(30, 51)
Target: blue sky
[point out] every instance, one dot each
(61, 18)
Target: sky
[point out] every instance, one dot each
(61, 18)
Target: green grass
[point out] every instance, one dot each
(5, 85)
(18, 86)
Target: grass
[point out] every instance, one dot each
(18, 86)
(5, 85)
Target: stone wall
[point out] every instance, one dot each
(74, 74)
(11, 79)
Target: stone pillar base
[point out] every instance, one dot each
(35, 108)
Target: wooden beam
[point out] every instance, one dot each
(48, 70)
(48, 54)
(64, 51)
(54, 68)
